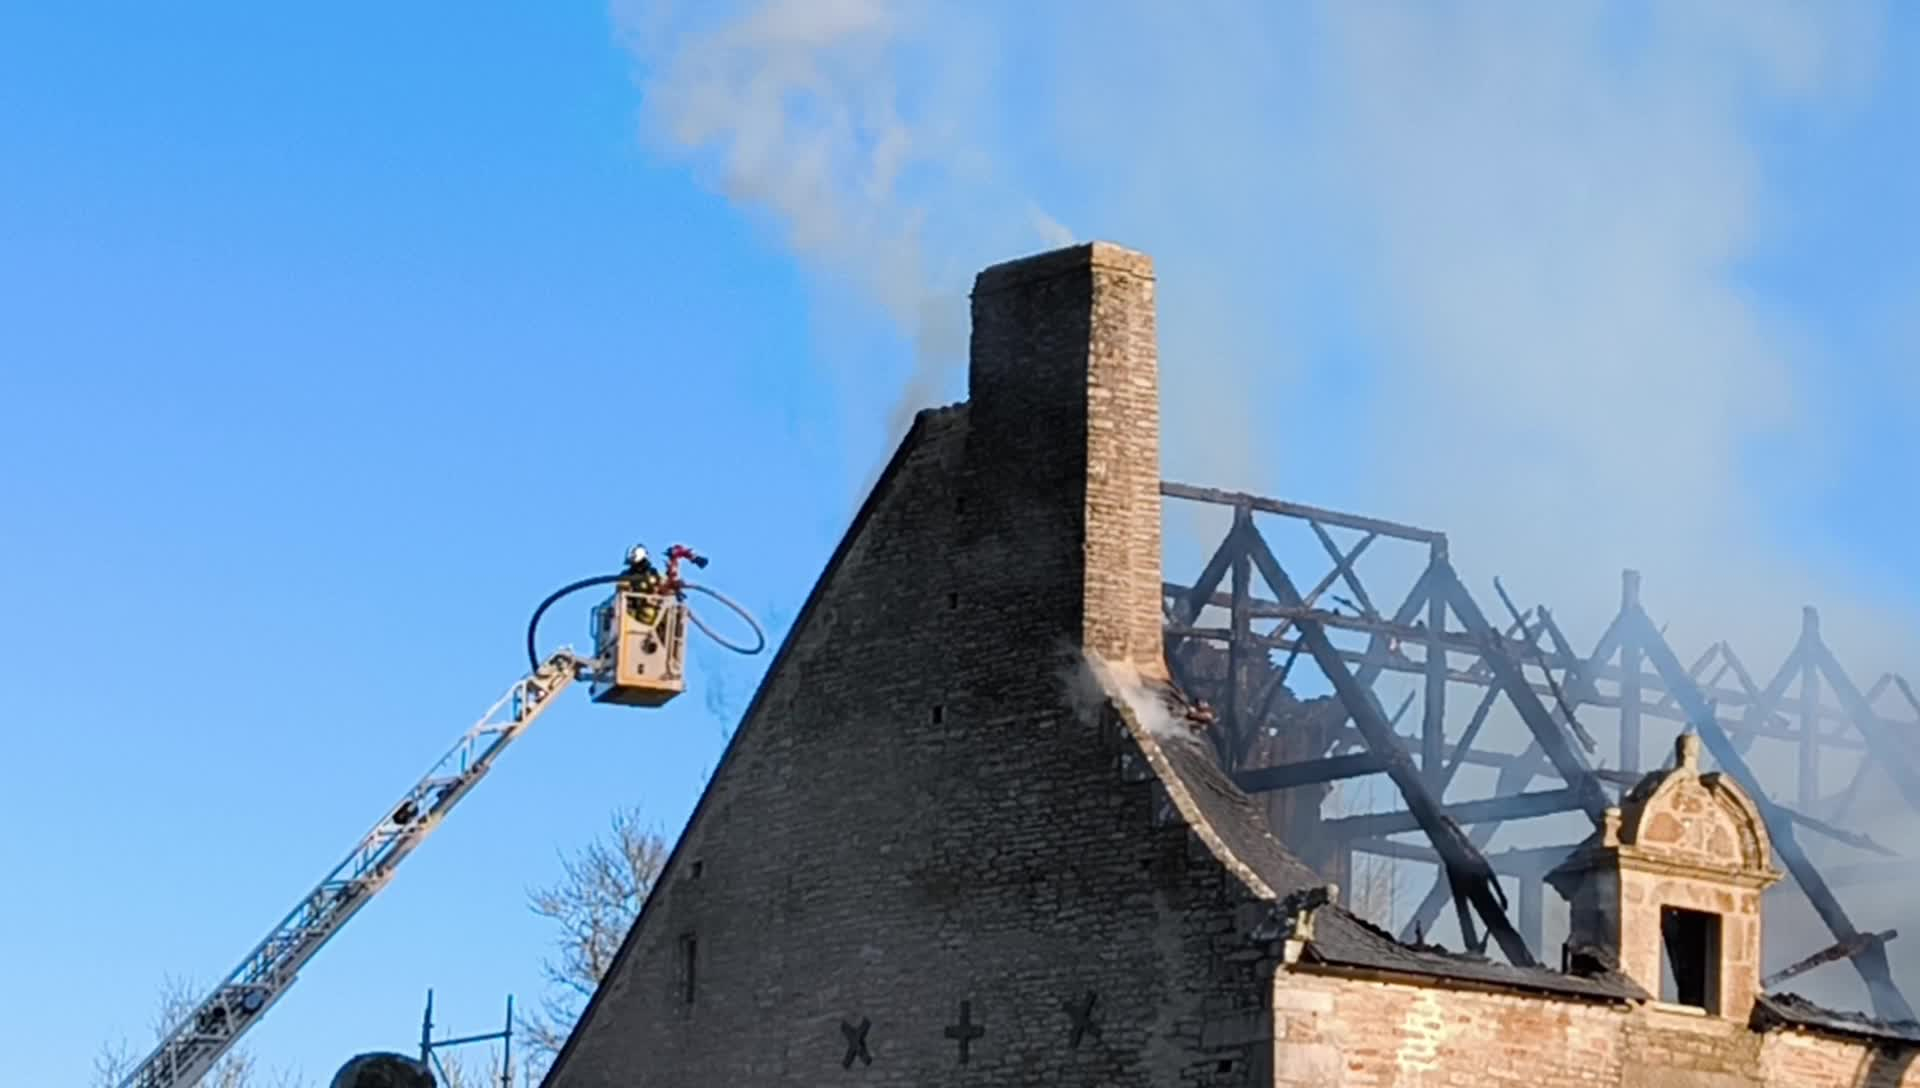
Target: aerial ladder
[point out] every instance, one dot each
(639, 657)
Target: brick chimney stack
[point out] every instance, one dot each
(1064, 446)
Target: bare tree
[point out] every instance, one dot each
(178, 999)
(455, 1071)
(594, 903)
(113, 1062)
(1376, 881)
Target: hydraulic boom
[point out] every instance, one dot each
(197, 1042)
(639, 634)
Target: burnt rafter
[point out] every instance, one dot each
(1880, 740)
(1532, 861)
(1310, 514)
(1310, 772)
(1468, 871)
(1745, 729)
(1553, 738)
(1753, 722)
(1517, 806)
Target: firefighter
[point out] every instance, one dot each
(644, 580)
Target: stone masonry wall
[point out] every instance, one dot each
(1344, 1032)
(918, 864)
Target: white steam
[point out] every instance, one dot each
(1098, 680)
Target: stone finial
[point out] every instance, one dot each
(1610, 826)
(1686, 752)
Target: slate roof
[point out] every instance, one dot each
(1341, 937)
(1792, 1010)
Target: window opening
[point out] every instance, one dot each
(689, 956)
(1690, 958)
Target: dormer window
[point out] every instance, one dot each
(1690, 958)
(1668, 890)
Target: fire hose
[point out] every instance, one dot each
(679, 592)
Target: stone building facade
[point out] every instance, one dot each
(966, 836)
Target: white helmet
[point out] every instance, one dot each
(636, 555)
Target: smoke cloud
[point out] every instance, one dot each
(854, 129)
(1471, 266)
(1095, 681)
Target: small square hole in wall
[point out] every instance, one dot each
(953, 601)
(1225, 1066)
(698, 868)
(939, 713)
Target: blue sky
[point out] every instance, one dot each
(330, 342)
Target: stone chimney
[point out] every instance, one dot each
(1063, 449)
(1668, 891)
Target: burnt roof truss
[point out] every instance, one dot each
(1244, 636)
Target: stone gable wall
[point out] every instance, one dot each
(914, 824)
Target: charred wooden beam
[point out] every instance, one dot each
(1870, 961)
(1757, 722)
(1239, 652)
(1326, 581)
(1343, 566)
(1193, 600)
(1532, 861)
(1479, 757)
(1520, 806)
(1840, 950)
(1310, 772)
(1464, 750)
(1551, 736)
(1694, 670)
(1561, 706)
(1470, 875)
(1433, 718)
(1906, 690)
(1808, 767)
(1887, 751)
(1518, 772)
(1586, 671)
(1630, 678)
(1765, 705)
(1298, 510)
(1760, 721)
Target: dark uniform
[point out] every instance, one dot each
(642, 578)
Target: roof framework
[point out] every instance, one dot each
(1376, 610)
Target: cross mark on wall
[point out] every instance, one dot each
(1082, 1013)
(966, 1031)
(856, 1043)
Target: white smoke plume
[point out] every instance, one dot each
(1478, 267)
(829, 119)
(1096, 680)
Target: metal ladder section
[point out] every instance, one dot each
(199, 1040)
